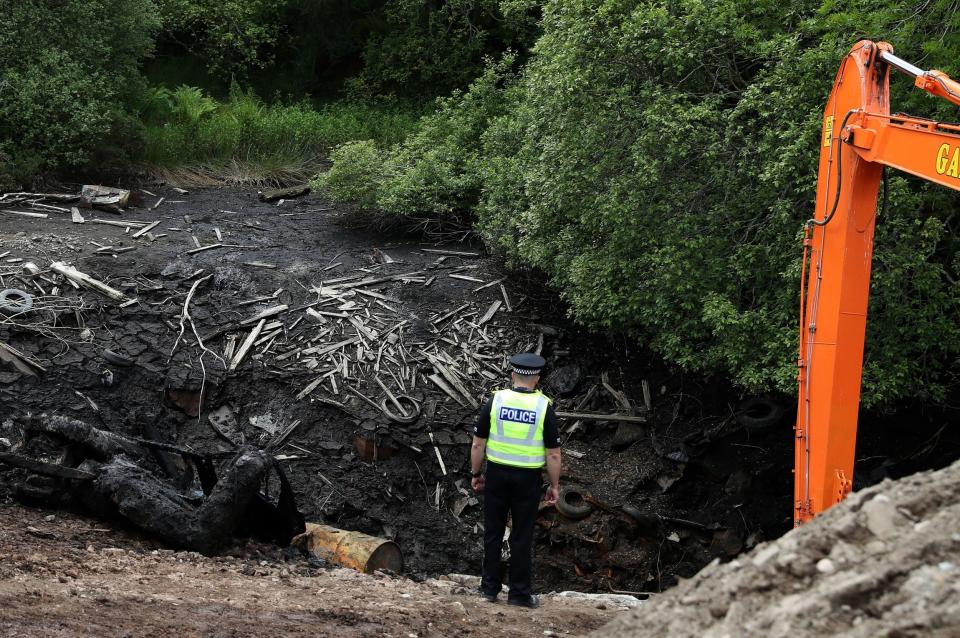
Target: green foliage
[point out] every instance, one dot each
(429, 45)
(435, 170)
(199, 130)
(232, 36)
(356, 174)
(379, 47)
(69, 78)
(189, 104)
(658, 160)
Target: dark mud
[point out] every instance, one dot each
(701, 484)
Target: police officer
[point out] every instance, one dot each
(517, 433)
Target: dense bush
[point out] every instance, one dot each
(436, 169)
(69, 77)
(232, 36)
(355, 175)
(658, 159)
(425, 46)
(380, 47)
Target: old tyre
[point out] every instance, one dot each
(409, 403)
(15, 302)
(572, 504)
(759, 412)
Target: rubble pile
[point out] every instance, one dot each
(881, 563)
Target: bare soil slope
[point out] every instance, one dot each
(883, 563)
(64, 575)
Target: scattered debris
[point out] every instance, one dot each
(283, 193)
(355, 550)
(15, 302)
(371, 367)
(104, 197)
(78, 277)
(224, 422)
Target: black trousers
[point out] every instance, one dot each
(516, 491)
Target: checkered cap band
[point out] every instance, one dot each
(526, 371)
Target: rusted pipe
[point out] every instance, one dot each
(357, 551)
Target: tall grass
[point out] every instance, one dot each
(243, 139)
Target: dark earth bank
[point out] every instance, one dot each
(706, 475)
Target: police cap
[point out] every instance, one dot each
(527, 363)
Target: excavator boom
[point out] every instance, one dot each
(859, 139)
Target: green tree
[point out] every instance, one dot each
(657, 160)
(233, 37)
(68, 80)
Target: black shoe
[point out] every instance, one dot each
(490, 598)
(531, 602)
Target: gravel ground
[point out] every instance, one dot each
(65, 575)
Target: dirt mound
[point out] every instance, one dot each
(65, 575)
(883, 563)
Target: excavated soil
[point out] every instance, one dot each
(705, 486)
(64, 575)
(884, 563)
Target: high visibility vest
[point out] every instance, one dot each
(516, 429)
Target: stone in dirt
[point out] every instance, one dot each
(274, 194)
(882, 563)
(225, 423)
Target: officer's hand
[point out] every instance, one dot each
(477, 483)
(553, 493)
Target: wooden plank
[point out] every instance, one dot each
(595, 416)
(23, 213)
(203, 248)
(316, 315)
(440, 383)
(492, 310)
(310, 387)
(443, 468)
(465, 278)
(492, 283)
(452, 379)
(247, 344)
(450, 314)
(78, 277)
(377, 280)
(146, 229)
(364, 397)
(322, 350)
(110, 222)
(390, 395)
(440, 251)
(269, 312)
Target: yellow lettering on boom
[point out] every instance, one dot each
(942, 158)
(954, 169)
(827, 130)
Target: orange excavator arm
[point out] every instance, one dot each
(859, 139)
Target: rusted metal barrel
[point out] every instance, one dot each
(357, 551)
